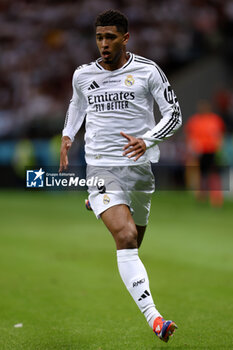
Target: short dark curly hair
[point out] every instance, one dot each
(113, 18)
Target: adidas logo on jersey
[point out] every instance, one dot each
(93, 85)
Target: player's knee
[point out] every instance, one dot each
(127, 238)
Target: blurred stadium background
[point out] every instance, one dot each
(52, 265)
(42, 42)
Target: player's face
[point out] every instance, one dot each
(111, 43)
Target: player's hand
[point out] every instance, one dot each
(65, 146)
(135, 147)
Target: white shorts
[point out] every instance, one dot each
(130, 185)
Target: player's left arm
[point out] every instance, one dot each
(135, 147)
(169, 107)
(170, 111)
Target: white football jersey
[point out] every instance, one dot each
(121, 100)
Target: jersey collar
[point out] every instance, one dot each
(123, 67)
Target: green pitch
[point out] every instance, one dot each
(59, 278)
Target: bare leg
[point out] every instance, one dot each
(141, 231)
(120, 223)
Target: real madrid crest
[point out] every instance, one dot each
(106, 199)
(129, 81)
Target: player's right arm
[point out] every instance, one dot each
(74, 119)
(65, 146)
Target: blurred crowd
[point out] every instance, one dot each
(42, 42)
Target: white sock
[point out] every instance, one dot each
(134, 276)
